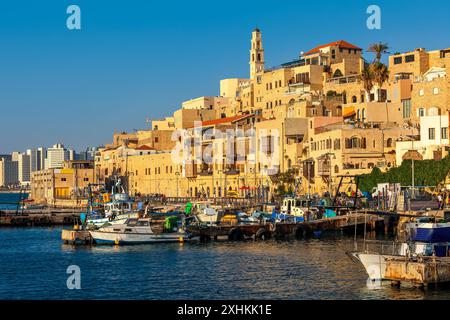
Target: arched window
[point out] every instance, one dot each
(339, 111)
(336, 169)
(337, 74)
(354, 99)
(389, 143)
(363, 115)
(291, 112)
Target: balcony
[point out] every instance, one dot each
(205, 170)
(345, 80)
(324, 168)
(231, 170)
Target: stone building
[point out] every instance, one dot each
(66, 186)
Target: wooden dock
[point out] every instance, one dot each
(232, 232)
(345, 222)
(39, 217)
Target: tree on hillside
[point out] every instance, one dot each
(379, 49)
(380, 74)
(367, 79)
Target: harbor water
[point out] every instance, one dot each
(34, 265)
(8, 201)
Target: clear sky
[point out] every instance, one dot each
(136, 59)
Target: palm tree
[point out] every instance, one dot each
(380, 73)
(367, 79)
(379, 49)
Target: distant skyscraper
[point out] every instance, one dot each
(42, 156)
(8, 172)
(15, 156)
(72, 154)
(24, 168)
(89, 154)
(35, 159)
(56, 156)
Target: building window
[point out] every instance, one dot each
(406, 108)
(421, 112)
(63, 179)
(86, 179)
(435, 90)
(421, 92)
(431, 133)
(409, 58)
(398, 60)
(389, 143)
(444, 133)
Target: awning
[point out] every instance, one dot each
(348, 112)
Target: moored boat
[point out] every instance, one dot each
(424, 240)
(141, 231)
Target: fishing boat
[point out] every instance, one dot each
(204, 212)
(118, 207)
(424, 240)
(141, 231)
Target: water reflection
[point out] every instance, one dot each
(307, 269)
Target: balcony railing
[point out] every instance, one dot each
(344, 80)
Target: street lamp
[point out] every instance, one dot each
(328, 155)
(177, 174)
(309, 163)
(220, 172)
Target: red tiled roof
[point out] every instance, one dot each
(224, 120)
(144, 147)
(340, 44)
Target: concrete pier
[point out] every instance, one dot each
(76, 237)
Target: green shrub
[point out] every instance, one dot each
(426, 172)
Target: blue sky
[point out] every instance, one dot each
(136, 59)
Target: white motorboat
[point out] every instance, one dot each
(140, 231)
(205, 213)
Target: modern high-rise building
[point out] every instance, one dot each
(24, 168)
(56, 155)
(42, 155)
(35, 159)
(89, 154)
(72, 154)
(8, 172)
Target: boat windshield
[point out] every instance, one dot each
(131, 222)
(142, 223)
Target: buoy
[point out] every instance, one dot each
(181, 239)
(117, 242)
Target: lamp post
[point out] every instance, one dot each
(177, 174)
(220, 180)
(308, 166)
(328, 155)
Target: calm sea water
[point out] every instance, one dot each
(34, 263)
(8, 200)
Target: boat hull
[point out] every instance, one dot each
(104, 237)
(432, 232)
(374, 263)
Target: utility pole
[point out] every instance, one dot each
(412, 170)
(177, 175)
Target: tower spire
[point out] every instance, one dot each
(256, 54)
